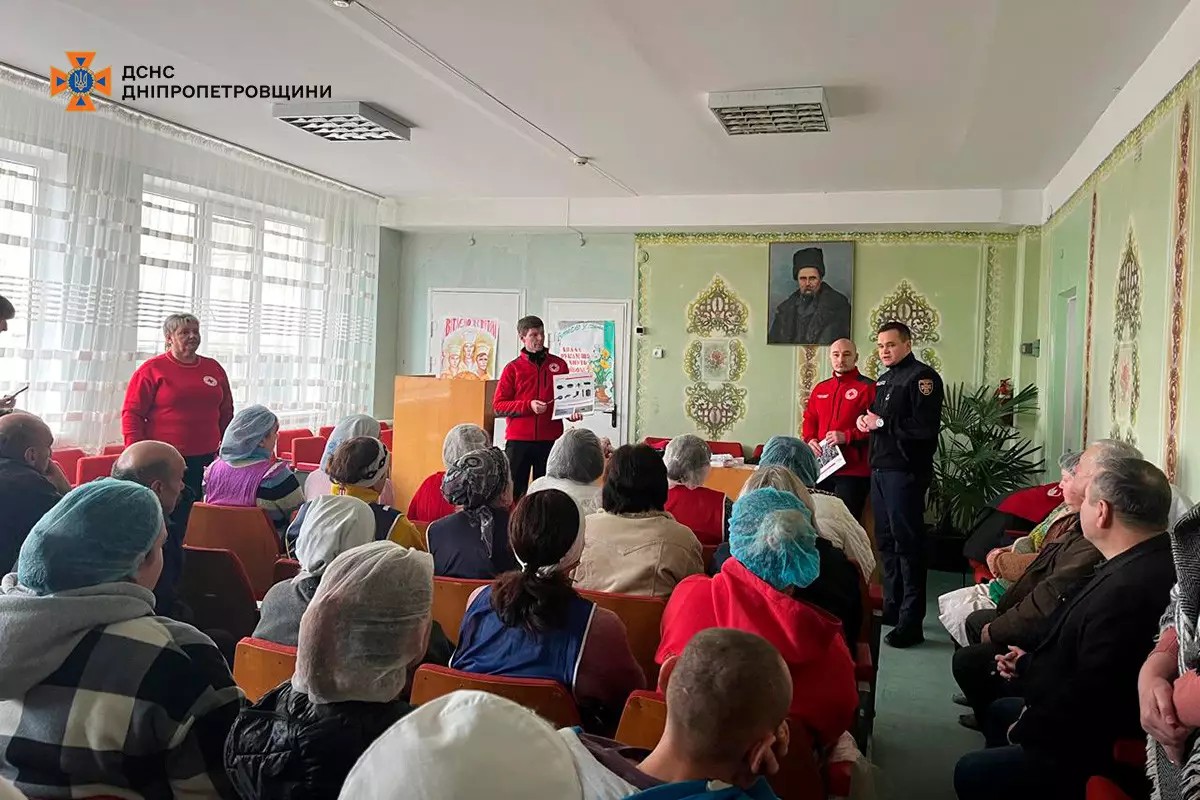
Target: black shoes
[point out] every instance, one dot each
(901, 638)
(969, 722)
(960, 699)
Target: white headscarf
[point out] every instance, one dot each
(462, 439)
(349, 428)
(332, 525)
(462, 745)
(366, 624)
(574, 554)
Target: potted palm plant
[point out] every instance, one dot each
(980, 458)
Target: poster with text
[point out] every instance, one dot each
(590, 346)
(465, 347)
(573, 394)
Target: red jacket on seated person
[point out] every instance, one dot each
(701, 509)
(428, 504)
(824, 694)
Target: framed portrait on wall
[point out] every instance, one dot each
(810, 289)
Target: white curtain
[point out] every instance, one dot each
(110, 221)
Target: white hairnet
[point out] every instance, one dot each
(688, 460)
(575, 551)
(367, 623)
(332, 525)
(577, 455)
(462, 439)
(249, 427)
(349, 428)
(466, 744)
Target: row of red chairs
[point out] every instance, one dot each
(81, 468)
(734, 449)
(304, 450)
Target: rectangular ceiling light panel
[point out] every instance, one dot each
(757, 111)
(343, 121)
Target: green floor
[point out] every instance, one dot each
(917, 736)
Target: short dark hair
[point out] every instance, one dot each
(636, 481)
(898, 327)
(727, 690)
(1138, 492)
(350, 460)
(6, 308)
(541, 531)
(526, 324)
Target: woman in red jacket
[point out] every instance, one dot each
(180, 398)
(774, 550)
(428, 505)
(689, 501)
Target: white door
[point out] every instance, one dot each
(504, 305)
(614, 421)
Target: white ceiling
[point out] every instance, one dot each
(924, 94)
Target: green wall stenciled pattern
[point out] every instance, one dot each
(715, 402)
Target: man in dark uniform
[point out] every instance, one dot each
(903, 423)
(815, 313)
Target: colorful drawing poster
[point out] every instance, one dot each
(591, 346)
(465, 347)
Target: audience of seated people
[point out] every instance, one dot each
(246, 473)
(472, 542)
(705, 511)
(831, 516)
(575, 466)
(531, 623)
(774, 553)
(359, 468)
(428, 504)
(1066, 562)
(30, 482)
(318, 482)
(837, 588)
(633, 545)
(1077, 688)
(361, 638)
(98, 696)
(727, 700)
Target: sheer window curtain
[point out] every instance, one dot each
(109, 222)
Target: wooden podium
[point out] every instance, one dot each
(425, 411)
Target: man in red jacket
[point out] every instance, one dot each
(830, 417)
(525, 397)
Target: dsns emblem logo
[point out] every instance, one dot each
(80, 81)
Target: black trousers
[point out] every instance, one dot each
(524, 458)
(852, 489)
(193, 477)
(898, 499)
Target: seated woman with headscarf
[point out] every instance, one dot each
(774, 555)
(575, 466)
(428, 504)
(361, 638)
(332, 525)
(832, 518)
(688, 461)
(472, 542)
(246, 473)
(531, 623)
(633, 545)
(319, 483)
(359, 469)
(99, 696)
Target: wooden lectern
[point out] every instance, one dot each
(425, 411)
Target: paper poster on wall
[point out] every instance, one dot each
(589, 346)
(465, 347)
(573, 394)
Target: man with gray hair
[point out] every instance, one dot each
(706, 511)
(1079, 683)
(30, 482)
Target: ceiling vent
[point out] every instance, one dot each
(343, 121)
(800, 110)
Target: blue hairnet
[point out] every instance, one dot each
(249, 427)
(790, 452)
(98, 533)
(351, 427)
(772, 535)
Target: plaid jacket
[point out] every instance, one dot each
(140, 709)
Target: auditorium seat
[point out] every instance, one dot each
(756, 456)
(286, 569)
(547, 698)
(450, 602)
(385, 436)
(216, 590)
(326, 431)
(1099, 788)
(259, 666)
(90, 468)
(307, 452)
(246, 532)
(734, 449)
(113, 450)
(283, 446)
(657, 442)
(643, 624)
(67, 459)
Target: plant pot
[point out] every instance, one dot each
(944, 550)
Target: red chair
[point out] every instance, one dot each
(549, 699)
(643, 624)
(67, 459)
(326, 431)
(246, 532)
(286, 569)
(756, 456)
(450, 597)
(259, 666)
(90, 468)
(283, 447)
(657, 442)
(1099, 788)
(734, 449)
(385, 436)
(383, 426)
(113, 449)
(216, 590)
(307, 452)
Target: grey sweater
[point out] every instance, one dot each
(282, 609)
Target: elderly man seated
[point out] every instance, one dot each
(706, 511)
(30, 483)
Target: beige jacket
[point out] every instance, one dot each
(645, 554)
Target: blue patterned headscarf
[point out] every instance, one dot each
(249, 427)
(771, 533)
(792, 453)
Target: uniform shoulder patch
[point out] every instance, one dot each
(925, 386)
